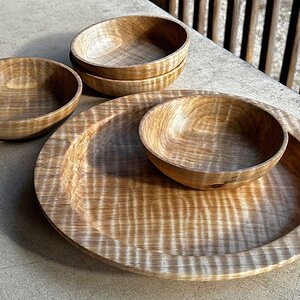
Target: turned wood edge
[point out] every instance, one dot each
(168, 18)
(167, 276)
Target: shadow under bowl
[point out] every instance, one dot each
(212, 142)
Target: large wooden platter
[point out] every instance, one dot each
(99, 190)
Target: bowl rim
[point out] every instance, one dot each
(278, 154)
(124, 81)
(147, 64)
(61, 108)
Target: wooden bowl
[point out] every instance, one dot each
(131, 47)
(35, 95)
(118, 88)
(212, 142)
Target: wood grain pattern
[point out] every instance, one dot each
(35, 94)
(99, 190)
(173, 8)
(271, 38)
(234, 25)
(268, 37)
(215, 21)
(292, 46)
(249, 30)
(131, 47)
(187, 7)
(201, 26)
(294, 54)
(252, 31)
(213, 142)
(116, 87)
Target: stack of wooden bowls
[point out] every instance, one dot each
(131, 54)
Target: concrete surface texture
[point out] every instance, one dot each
(37, 263)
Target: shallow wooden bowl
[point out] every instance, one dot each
(131, 47)
(212, 143)
(117, 88)
(35, 95)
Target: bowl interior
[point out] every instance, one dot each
(211, 134)
(33, 87)
(128, 41)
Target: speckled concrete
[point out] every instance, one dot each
(35, 262)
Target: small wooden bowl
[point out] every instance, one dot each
(35, 95)
(118, 88)
(212, 142)
(131, 47)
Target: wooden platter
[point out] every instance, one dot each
(99, 190)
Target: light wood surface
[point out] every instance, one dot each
(291, 51)
(252, 31)
(294, 54)
(234, 25)
(215, 21)
(201, 26)
(99, 190)
(131, 47)
(272, 35)
(187, 7)
(213, 142)
(35, 94)
(173, 8)
(115, 87)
